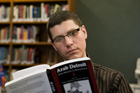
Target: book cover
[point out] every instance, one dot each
(69, 77)
(2, 76)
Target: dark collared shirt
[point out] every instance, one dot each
(110, 81)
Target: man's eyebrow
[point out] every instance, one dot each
(66, 33)
(71, 30)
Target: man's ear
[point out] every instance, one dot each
(54, 46)
(84, 31)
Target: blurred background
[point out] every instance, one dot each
(113, 28)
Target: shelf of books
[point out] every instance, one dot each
(24, 40)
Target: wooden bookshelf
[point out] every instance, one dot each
(34, 22)
(42, 44)
(36, 43)
(4, 22)
(5, 1)
(38, 1)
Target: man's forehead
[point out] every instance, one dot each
(63, 28)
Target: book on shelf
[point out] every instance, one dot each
(57, 7)
(4, 55)
(5, 35)
(2, 76)
(64, 77)
(26, 35)
(2, 79)
(4, 13)
(36, 13)
(23, 55)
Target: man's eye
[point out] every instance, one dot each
(59, 39)
(73, 33)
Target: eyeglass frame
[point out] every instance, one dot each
(69, 35)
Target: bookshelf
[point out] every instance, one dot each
(17, 23)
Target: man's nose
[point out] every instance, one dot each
(68, 41)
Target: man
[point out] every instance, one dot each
(68, 36)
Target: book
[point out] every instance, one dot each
(57, 7)
(2, 76)
(4, 53)
(71, 76)
(32, 12)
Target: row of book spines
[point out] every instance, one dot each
(23, 55)
(4, 13)
(25, 34)
(36, 13)
(4, 55)
(19, 55)
(19, 34)
(5, 34)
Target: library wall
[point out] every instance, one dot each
(113, 33)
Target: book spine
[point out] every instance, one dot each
(13, 54)
(21, 55)
(93, 79)
(14, 33)
(0, 14)
(0, 35)
(20, 11)
(4, 34)
(38, 13)
(22, 28)
(33, 55)
(18, 34)
(27, 13)
(35, 13)
(4, 13)
(51, 81)
(42, 11)
(24, 12)
(30, 53)
(4, 53)
(28, 29)
(31, 12)
(21, 34)
(56, 81)
(0, 54)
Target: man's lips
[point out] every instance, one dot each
(71, 51)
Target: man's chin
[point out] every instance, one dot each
(73, 57)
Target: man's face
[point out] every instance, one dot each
(70, 48)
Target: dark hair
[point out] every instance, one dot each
(58, 17)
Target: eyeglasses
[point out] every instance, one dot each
(71, 34)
